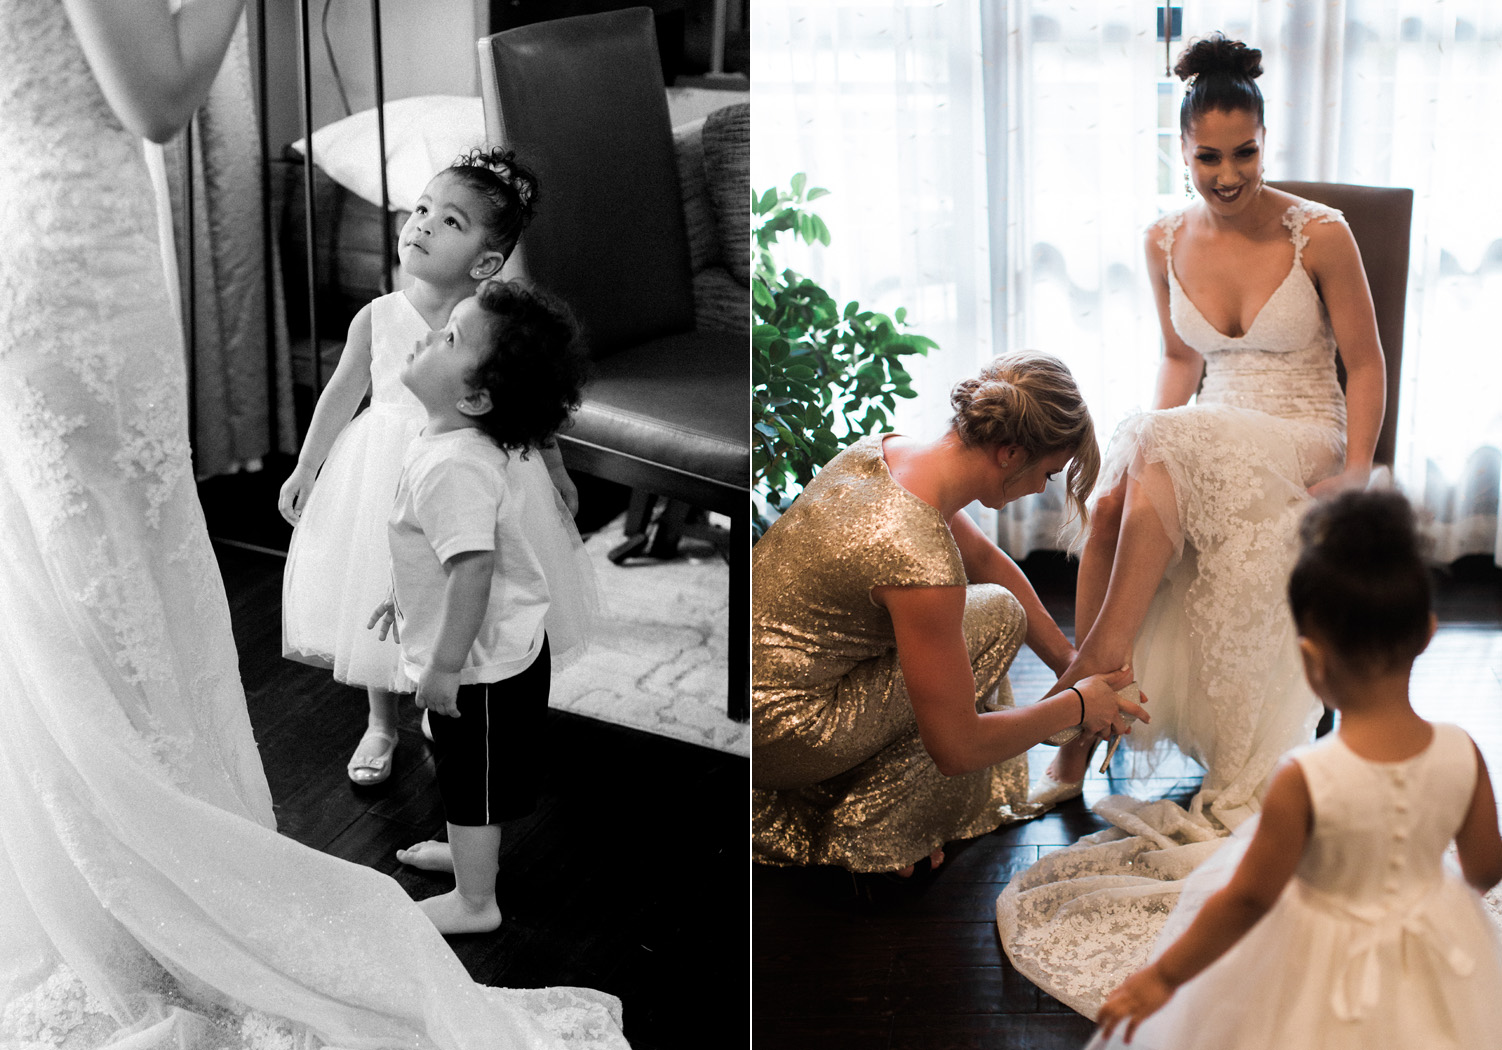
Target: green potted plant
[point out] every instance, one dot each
(823, 375)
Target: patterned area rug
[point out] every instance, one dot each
(658, 659)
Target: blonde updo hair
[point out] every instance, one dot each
(1029, 399)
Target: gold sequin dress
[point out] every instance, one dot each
(840, 775)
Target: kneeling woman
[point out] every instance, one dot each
(883, 624)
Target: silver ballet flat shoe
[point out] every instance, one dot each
(1051, 792)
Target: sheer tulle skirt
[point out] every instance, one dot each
(339, 563)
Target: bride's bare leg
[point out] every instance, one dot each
(1097, 558)
(1142, 555)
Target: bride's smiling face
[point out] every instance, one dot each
(1223, 150)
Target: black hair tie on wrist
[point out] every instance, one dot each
(1082, 703)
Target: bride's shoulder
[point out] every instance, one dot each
(1160, 232)
(1306, 216)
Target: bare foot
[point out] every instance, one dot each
(934, 860)
(430, 856)
(1073, 759)
(453, 913)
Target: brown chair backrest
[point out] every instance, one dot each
(1380, 218)
(582, 102)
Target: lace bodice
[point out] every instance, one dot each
(1284, 364)
(1381, 828)
(395, 324)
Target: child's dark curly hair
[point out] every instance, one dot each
(506, 186)
(1360, 583)
(535, 368)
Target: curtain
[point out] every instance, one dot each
(881, 105)
(1072, 118)
(243, 398)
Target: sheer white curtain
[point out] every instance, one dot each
(880, 103)
(1039, 139)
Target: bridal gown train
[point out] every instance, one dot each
(145, 898)
(1217, 654)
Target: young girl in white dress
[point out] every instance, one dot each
(462, 230)
(1338, 923)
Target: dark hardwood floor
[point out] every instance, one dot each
(630, 877)
(869, 963)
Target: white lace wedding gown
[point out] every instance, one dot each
(145, 897)
(1217, 654)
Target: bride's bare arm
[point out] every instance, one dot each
(154, 67)
(1180, 370)
(1335, 264)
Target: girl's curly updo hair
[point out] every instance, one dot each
(1221, 75)
(508, 189)
(535, 367)
(1360, 583)
(1030, 399)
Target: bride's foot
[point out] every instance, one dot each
(430, 856)
(1072, 761)
(934, 860)
(452, 913)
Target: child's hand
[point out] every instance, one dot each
(294, 494)
(1138, 997)
(438, 691)
(385, 615)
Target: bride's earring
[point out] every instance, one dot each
(1188, 186)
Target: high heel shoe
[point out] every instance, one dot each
(1051, 792)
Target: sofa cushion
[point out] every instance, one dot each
(720, 301)
(727, 167)
(698, 210)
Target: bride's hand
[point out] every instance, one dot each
(1105, 711)
(1348, 479)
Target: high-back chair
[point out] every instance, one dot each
(667, 410)
(1380, 218)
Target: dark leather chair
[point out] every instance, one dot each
(667, 410)
(1380, 218)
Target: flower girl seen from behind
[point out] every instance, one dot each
(1337, 921)
(463, 228)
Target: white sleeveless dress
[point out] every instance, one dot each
(1217, 654)
(1375, 944)
(339, 565)
(146, 899)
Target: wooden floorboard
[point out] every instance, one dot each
(630, 876)
(871, 963)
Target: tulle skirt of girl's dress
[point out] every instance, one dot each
(573, 591)
(339, 563)
(1314, 974)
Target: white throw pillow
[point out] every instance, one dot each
(423, 136)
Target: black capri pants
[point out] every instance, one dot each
(490, 759)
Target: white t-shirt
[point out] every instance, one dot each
(452, 498)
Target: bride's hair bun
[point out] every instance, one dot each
(1221, 74)
(1217, 53)
(1360, 583)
